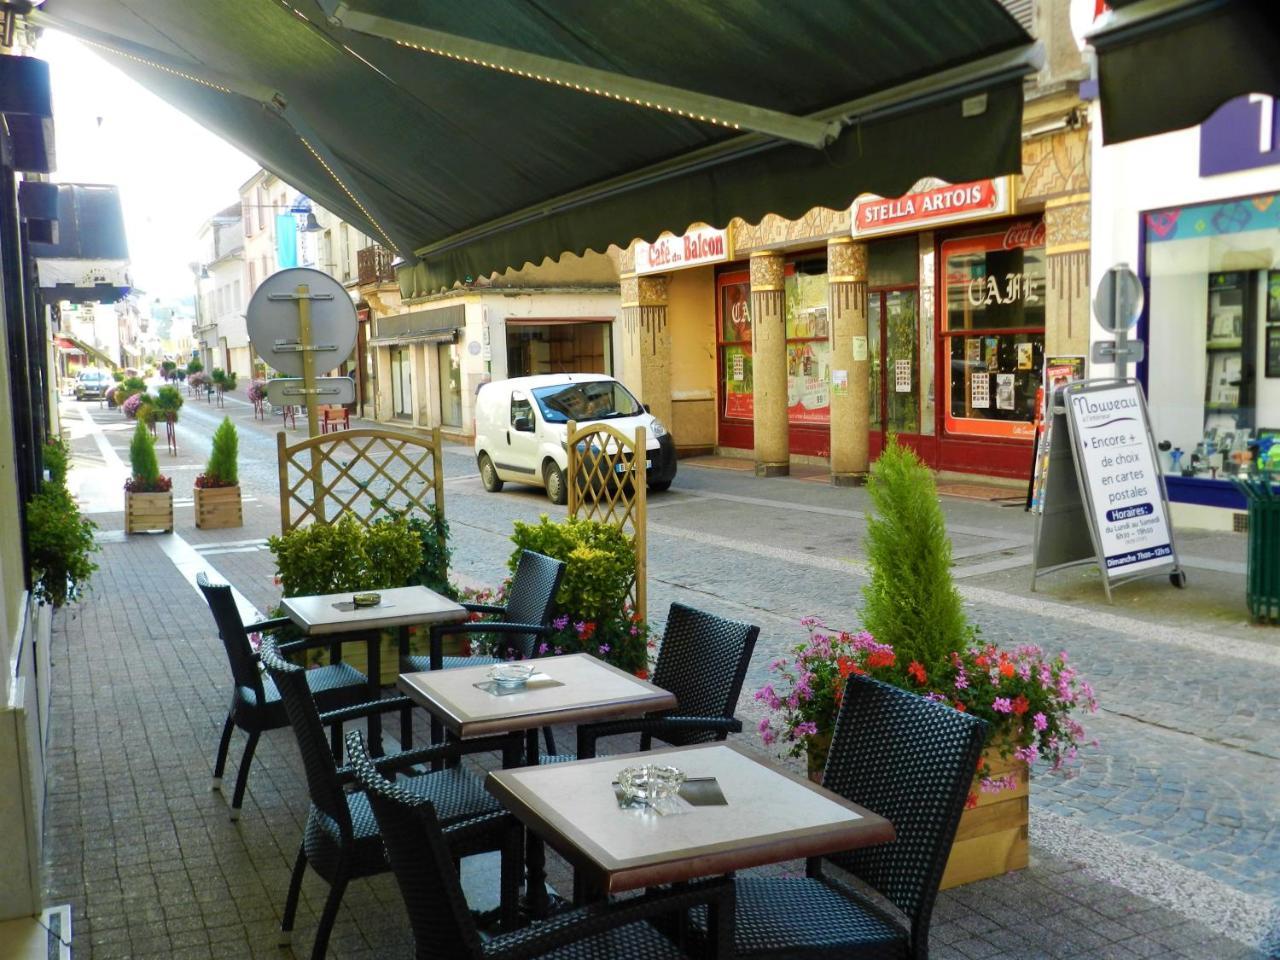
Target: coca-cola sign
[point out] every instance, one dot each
(699, 246)
(1028, 233)
(929, 203)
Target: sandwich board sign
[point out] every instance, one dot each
(1103, 496)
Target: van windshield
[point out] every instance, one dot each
(589, 400)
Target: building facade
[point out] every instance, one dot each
(220, 283)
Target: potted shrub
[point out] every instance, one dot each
(148, 498)
(167, 369)
(60, 541)
(217, 491)
(193, 367)
(222, 382)
(917, 637)
(130, 386)
(165, 406)
(257, 396)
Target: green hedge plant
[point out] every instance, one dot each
(221, 470)
(60, 541)
(146, 476)
(346, 556)
(911, 602)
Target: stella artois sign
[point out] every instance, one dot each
(931, 202)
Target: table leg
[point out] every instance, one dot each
(406, 716)
(375, 691)
(535, 855)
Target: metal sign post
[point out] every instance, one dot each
(1118, 305)
(303, 296)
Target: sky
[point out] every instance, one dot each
(173, 174)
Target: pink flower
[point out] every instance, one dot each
(763, 725)
(768, 736)
(1040, 721)
(806, 729)
(1027, 754)
(560, 622)
(543, 648)
(1002, 705)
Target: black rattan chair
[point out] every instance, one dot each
(255, 702)
(443, 926)
(909, 760)
(703, 661)
(525, 617)
(341, 840)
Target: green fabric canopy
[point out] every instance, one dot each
(446, 151)
(1168, 64)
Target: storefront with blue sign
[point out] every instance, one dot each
(1197, 213)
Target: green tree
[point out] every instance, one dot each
(911, 601)
(142, 456)
(222, 467)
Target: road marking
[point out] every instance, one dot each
(190, 563)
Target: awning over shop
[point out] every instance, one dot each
(88, 257)
(68, 346)
(1168, 64)
(440, 325)
(490, 134)
(93, 352)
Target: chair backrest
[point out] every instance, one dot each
(912, 761)
(531, 598)
(703, 661)
(235, 639)
(317, 757)
(416, 849)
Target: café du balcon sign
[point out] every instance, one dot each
(929, 203)
(699, 246)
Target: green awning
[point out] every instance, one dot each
(488, 134)
(1168, 64)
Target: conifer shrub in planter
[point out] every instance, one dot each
(148, 497)
(217, 490)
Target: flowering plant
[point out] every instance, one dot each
(257, 391)
(131, 405)
(1026, 695)
(621, 640)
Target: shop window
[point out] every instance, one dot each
(735, 349)
(808, 344)
(401, 386)
(1213, 372)
(993, 331)
(559, 347)
(449, 370)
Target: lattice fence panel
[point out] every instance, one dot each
(607, 483)
(366, 472)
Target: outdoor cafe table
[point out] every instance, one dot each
(334, 614)
(582, 689)
(769, 816)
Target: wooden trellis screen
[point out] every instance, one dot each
(364, 472)
(607, 483)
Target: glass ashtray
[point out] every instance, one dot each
(652, 784)
(511, 674)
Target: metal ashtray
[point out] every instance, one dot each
(366, 599)
(511, 674)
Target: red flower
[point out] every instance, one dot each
(881, 658)
(846, 666)
(971, 801)
(982, 764)
(959, 706)
(915, 670)
(1021, 704)
(1006, 668)
(981, 660)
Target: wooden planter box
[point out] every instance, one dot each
(144, 512)
(218, 507)
(992, 837)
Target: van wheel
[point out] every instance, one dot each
(660, 486)
(553, 477)
(489, 474)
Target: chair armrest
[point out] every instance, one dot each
(589, 733)
(266, 626)
(361, 710)
(449, 750)
(306, 643)
(575, 925)
(484, 607)
(497, 626)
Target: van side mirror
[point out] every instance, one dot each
(523, 424)
(646, 408)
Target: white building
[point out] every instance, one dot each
(220, 327)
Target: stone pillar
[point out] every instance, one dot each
(647, 343)
(1066, 248)
(769, 364)
(847, 308)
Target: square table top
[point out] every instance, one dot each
(588, 689)
(770, 816)
(400, 607)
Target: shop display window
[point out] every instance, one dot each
(993, 331)
(735, 350)
(1213, 373)
(808, 344)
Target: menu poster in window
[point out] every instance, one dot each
(980, 390)
(1004, 391)
(992, 347)
(1024, 355)
(902, 376)
(809, 382)
(1059, 371)
(972, 351)
(737, 367)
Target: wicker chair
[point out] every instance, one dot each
(255, 702)
(525, 617)
(703, 661)
(443, 927)
(911, 761)
(341, 840)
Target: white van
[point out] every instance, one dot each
(522, 428)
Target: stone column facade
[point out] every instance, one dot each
(647, 342)
(769, 364)
(1066, 248)
(850, 404)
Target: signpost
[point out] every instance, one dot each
(295, 316)
(1118, 305)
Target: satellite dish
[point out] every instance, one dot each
(272, 319)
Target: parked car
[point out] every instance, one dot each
(93, 384)
(522, 429)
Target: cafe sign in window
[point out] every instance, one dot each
(993, 331)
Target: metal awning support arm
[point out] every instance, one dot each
(644, 94)
(268, 97)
